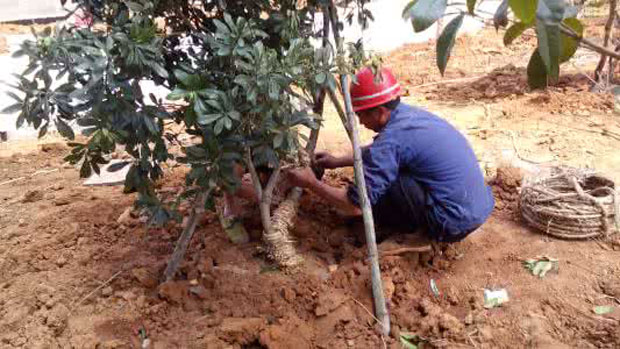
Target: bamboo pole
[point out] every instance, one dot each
(369, 225)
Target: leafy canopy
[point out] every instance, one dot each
(244, 73)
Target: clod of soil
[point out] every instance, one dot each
(506, 186)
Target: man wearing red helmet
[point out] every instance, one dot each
(420, 171)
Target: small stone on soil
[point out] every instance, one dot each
(144, 277)
(469, 319)
(62, 202)
(57, 318)
(173, 291)
(60, 262)
(107, 291)
(199, 291)
(32, 196)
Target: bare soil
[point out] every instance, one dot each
(79, 269)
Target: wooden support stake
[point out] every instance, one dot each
(186, 237)
(369, 225)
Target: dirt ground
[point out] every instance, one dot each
(76, 270)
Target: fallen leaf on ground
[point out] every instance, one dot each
(603, 309)
(540, 266)
(411, 341)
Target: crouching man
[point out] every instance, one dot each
(421, 173)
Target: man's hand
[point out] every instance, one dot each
(301, 177)
(326, 160)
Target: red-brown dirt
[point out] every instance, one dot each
(78, 268)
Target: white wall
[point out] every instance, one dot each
(389, 31)
(14, 10)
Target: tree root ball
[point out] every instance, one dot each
(279, 243)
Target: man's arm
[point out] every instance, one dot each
(346, 160)
(336, 196)
(329, 161)
(333, 195)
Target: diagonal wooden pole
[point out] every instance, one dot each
(369, 225)
(186, 236)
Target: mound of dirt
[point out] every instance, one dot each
(505, 187)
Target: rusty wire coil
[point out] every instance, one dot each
(571, 203)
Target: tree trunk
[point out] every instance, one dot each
(602, 78)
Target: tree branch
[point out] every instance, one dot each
(258, 188)
(271, 184)
(319, 100)
(608, 27)
(334, 98)
(587, 43)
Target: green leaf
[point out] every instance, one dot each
(446, 42)
(603, 309)
(514, 31)
(43, 129)
(320, 78)
(159, 70)
(221, 27)
(471, 6)
(411, 341)
(64, 129)
(278, 140)
(551, 11)
(182, 76)
(274, 90)
(235, 115)
(215, 104)
(549, 48)
(20, 120)
(426, 12)
(219, 126)
(134, 6)
(541, 267)
(151, 125)
(11, 109)
(199, 106)
(536, 71)
(525, 10)
(500, 18)
(85, 170)
(407, 10)
(229, 20)
(14, 96)
(569, 45)
(205, 119)
(176, 94)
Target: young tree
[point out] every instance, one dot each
(243, 70)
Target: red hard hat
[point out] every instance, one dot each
(368, 93)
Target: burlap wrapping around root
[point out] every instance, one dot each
(278, 240)
(571, 203)
(280, 245)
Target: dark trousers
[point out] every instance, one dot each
(403, 210)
